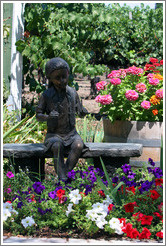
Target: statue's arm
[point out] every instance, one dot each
(80, 109)
(41, 109)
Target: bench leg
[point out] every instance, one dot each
(111, 163)
(34, 165)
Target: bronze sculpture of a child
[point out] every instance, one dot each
(58, 106)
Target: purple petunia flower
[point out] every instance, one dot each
(42, 212)
(10, 175)
(131, 175)
(99, 172)
(152, 163)
(115, 179)
(71, 174)
(19, 204)
(91, 168)
(105, 182)
(126, 168)
(88, 189)
(38, 187)
(145, 186)
(158, 173)
(150, 170)
(52, 194)
(131, 183)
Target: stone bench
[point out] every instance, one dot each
(33, 156)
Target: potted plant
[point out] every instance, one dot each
(132, 101)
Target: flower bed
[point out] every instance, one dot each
(130, 204)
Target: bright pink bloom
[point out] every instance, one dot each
(121, 73)
(104, 99)
(154, 81)
(134, 70)
(159, 93)
(131, 95)
(100, 85)
(150, 75)
(145, 104)
(141, 87)
(115, 81)
(9, 190)
(10, 175)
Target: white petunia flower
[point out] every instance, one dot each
(6, 214)
(100, 207)
(7, 205)
(28, 221)
(100, 222)
(114, 223)
(69, 207)
(91, 214)
(119, 231)
(75, 196)
(107, 201)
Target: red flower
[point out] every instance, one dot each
(145, 234)
(146, 220)
(153, 60)
(158, 182)
(129, 207)
(161, 62)
(134, 233)
(123, 220)
(156, 64)
(9, 201)
(158, 215)
(101, 193)
(154, 194)
(60, 193)
(138, 215)
(131, 189)
(127, 229)
(159, 234)
(62, 199)
(110, 206)
(160, 207)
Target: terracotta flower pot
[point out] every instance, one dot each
(144, 132)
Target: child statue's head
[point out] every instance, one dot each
(57, 72)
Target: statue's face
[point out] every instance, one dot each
(60, 78)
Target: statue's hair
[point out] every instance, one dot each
(55, 64)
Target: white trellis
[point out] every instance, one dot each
(14, 100)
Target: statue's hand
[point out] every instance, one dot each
(53, 114)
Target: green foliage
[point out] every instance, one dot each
(28, 130)
(89, 37)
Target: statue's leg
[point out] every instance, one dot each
(58, 156)
(74, 154)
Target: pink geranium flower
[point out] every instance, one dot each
(115, 81)
(154, 81)
(159, 93)
(105, 99)
(146, 104)
(131, 95)
(101, 85)
(134, 70)
(141, 87)
(10, 175)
